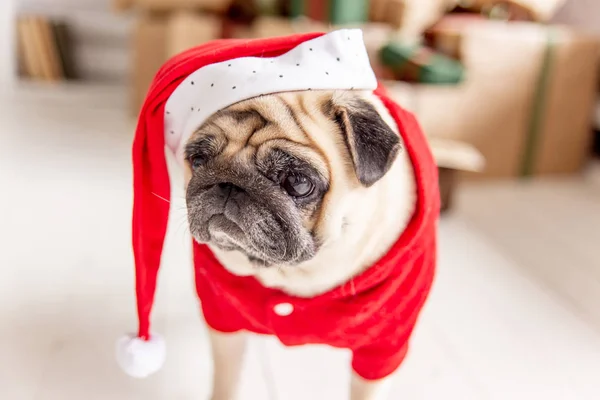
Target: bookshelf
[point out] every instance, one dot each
(98, 40)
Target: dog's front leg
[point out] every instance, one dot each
(228, 356)
(362, 389)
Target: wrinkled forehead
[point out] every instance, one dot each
(254, 130)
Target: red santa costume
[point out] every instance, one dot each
(374, 314)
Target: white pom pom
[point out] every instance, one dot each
(140, 358)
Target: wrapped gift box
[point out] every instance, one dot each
(276, 26)
(446, 34)
(376, 35)
(515, 10)
(392, 12)
(454, 158)
(148, 54)
(527, 101)
(156, 38)
(217, 6)
(415, 63)
(333, 11)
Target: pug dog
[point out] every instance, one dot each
(302, 191)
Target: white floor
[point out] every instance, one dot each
(515, 313)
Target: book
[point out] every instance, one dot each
(50, 50)
(39, 47)
(27, 47)
(39, 50)
(63, 39)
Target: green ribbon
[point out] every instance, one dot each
(297, 8)
(536, 123)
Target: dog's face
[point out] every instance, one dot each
(265, 175)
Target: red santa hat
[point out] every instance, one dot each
(187, 90)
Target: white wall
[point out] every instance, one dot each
(7, 53)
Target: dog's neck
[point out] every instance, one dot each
(385, 210)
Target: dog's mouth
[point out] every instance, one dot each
(259, 262)
(223, 232)
(228, 236)
(265, 238)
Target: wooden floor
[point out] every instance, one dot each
(514, 314)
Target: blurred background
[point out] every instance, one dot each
(507, 92)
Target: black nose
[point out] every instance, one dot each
(228, 187)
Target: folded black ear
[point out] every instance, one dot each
(371, 142)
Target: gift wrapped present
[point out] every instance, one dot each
(156, 38)
(513, 10)
(527, 103)
(446, 35)
(217, 6)
(333, 11)
(392, 12)
(271, 26)
(415, 63)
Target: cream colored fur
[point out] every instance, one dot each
(376, 216)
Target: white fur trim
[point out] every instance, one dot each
(334, 61)
(140, 358)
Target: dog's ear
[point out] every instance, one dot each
(371, 142)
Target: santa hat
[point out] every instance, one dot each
(187, 90)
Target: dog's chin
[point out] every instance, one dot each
(226, 235)
(228, 246)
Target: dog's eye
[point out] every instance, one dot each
(298, 185)
(196, 161)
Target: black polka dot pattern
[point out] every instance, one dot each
(335, 61)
